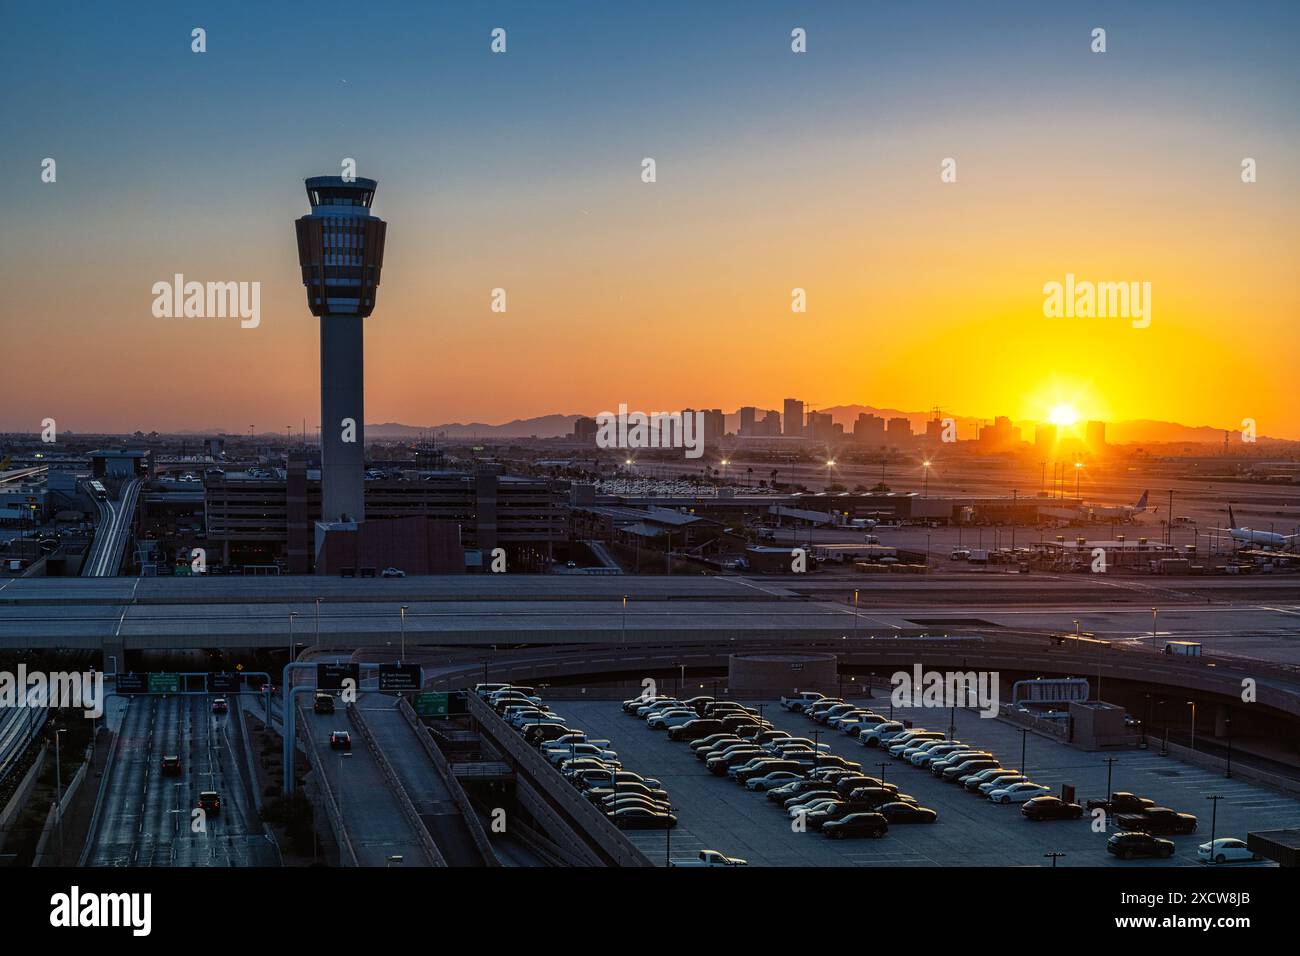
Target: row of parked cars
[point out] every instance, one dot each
(824, 790)
(1140, 822)
(628, 799)
(978, 772)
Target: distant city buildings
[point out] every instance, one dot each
(793, 417)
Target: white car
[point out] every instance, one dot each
(1019, 792)
(1226, 850)
(1001, 782)
(924, 746)
(774, 779)
(393, 573)
(654, 707)
(561, 754)
(670, 718)
(822, 804)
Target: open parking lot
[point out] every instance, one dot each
(716, 813)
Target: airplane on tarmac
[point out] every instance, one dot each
(1087, 512)
(1252, 537)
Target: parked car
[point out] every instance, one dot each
(1226, 850)
(1050, 808)
(900, 812)
(856, 825)
(1128, 845)
(925, 756)
(878, 734)
(1122, 802)
(801, 700)
(771, 780)
(955, 771)
(974, 781)
(1018, 792)
(710, 858)
(697, 728)
(1157, 820)
(642, 818)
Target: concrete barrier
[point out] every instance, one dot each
(413, 820)
(57, 811)
(25, 786)
(1239, 771)
(614, 847)
(348, 856)
(458, 794)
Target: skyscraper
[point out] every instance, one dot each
(793, 416)
(341, 250)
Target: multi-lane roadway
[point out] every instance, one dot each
(144, 817)
(112, 532)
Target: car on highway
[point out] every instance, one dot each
(1122, 802)
(219, 706)
(323, 704)
(1128, 845)
(340, 740)
(210, 801)
(170, 765)
(1018, 792)
(862, 824)
(1226, 850)
(1157, 820)
(1050, 808)
(902, 812)
(642, 818)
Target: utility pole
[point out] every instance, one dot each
(1054, 856)
(1110, 766)
(1214, 799)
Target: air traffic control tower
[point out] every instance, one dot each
(341, 250)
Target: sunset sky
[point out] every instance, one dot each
(775, 171)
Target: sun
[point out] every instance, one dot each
(1063, 415)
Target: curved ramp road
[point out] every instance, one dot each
(370, 809)
(112, 532)
(144, 818)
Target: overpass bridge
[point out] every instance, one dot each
(112, 532)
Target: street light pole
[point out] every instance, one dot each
(403, 657)
(1214, 799)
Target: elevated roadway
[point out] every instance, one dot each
(112, 532)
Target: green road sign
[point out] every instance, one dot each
(431, 705)
(164, 683)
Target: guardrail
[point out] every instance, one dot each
(337, 823)
(589, 823)
(395, 784)
(458, 794)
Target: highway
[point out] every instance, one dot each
(1251, 617)
(371, 811)
(143, 818)
(112, 532)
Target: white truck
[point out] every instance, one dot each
(800, 700)
(710, 858)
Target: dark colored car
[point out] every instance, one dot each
(340, 740)
(875, 796)
(695, 729)
(323, 704)
(642, 818)
(1122, 802)
(853, 781)
(1157, 820)
(219, 706)
(720, 765)
(171, 765)
(797, 787)
(1126, 846)
(907, 813)
(856, 825)
(1050, 808)
(809, 796)
(537, 734)
(210, 801)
